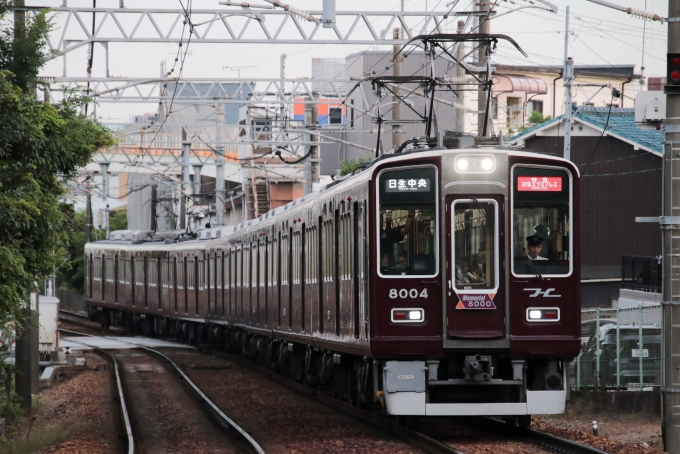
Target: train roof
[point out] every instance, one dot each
(214, 236)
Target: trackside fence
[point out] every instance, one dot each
(620, 348)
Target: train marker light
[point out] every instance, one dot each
(408, 315)
(543, 314)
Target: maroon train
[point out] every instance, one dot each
(407, 282)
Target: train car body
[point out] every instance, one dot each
(407, 282)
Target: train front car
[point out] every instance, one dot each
(475, 282)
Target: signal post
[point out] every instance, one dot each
(670, 225)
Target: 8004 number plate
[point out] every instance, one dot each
(636, 353)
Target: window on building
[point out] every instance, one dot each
(514, 117)
(535, 106)
(335, 116)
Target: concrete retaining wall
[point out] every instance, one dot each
(645, 402)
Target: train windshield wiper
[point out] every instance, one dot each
(539, 276)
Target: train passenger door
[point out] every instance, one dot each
(475, 301)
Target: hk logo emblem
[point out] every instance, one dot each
(539, 292)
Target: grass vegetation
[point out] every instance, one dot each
(28, 441)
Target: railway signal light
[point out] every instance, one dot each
(673, 71)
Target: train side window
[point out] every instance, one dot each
(407, 222)
(541, 212)
(475, 233)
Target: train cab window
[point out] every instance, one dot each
(407, 222)
(541, 211)
(475, 230)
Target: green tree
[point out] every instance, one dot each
(71, 275)
(348, 166)
(536, 118)
(41, 146)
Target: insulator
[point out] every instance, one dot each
(457, 79)
(642, 14)
(300, 13)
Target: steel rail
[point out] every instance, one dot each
(214, 411)
(541, 438)
(413, 437)
(429, 444)
(121, 395)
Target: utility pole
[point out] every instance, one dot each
(26, 361)
(220, 195)
(568, 75)
(484, 28)
(670, 225)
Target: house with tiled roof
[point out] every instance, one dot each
(620, 165)
(519, 90)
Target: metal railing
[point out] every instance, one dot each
(620, 348)
(641, 273)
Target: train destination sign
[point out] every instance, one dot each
(539, 184)
(475, 301)
(407, 185)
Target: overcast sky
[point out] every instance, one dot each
(600, 36)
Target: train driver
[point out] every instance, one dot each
(534, 245)
(391, 236)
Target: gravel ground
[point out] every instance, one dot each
(618, 433)
(282, 420)
(303, 426)
(84, 400)
(164, 418)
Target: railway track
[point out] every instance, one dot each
(120, 396)
(541, 440)
(159, 394)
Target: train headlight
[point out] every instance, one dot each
(475, 164)
(462, 164)
(543, 314)
(408, 315)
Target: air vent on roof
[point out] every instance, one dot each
(138, 235)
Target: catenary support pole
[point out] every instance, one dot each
(315, 160)
(88, 211)
(396, 107)
(670, 428)
(186, 150)
(460, 72)
(220, 194)
(568, 76)
(154, 198)
(104, 168)
(484, 28)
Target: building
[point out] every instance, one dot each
(328, 69)
(520, 90)
(621, 179)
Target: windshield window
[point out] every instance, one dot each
(541, 224)
(407, 223)
(474, 244)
